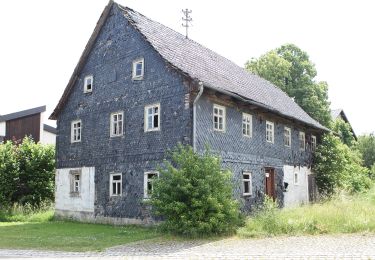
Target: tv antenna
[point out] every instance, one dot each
(186, 20)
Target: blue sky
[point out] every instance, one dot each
(42, 40)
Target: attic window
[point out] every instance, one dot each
(138, 69)
(88, 82)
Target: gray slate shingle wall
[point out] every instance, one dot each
(110, 63)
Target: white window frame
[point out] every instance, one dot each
(247, 182)
(247, 125)
(146, 182)
(223, 117)
(146, 118)
(73, 129)
(270, 132)
(134, 72)
(85, 89)
(287, 136)
(302, 140)
(112, 181)
(296, 180)
(75, 185)
(118, 123)
(313, 143)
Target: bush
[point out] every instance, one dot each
(339, 167)
(366, 145)
(194, 195)
(26, 173)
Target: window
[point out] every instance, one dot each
(88, 82)
(247, 184)
(138, 69)
(247, 122)
(116, 184)
(269, 132)
(302, 142)
(219, 118)
(152, 118)
(75, 182)
(296, 180)
(313, 143)
(148, 183)
(287, 136)
(117, 123)
(76, 129)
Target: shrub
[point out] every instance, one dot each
(26, 173)
(194, 195)
(366, 145)
(339, 167)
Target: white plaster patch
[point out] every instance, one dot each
(297, 193)
(48, 138)
(84, 201)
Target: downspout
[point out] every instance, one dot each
(195, 114)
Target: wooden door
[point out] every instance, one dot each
(313, 190)
(270, 183)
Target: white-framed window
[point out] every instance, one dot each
(247, 125)
(75, 182)
(149, 178)
(313, 142)
(296, 178)
(270, 132)
(76, 131)
(219, 118)
(247, 184)
(115, 184)
(138, 69)
(287, 136)
(152, 118)
(117, 124)
(88, 84)
(302, 141)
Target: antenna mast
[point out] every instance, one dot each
(186, 20)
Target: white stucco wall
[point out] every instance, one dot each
(82, 203)
(48, 138)
(296, 194)
(2, 128)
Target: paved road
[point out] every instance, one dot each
(304, 247)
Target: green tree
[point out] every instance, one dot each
(194, 195)
(338, 167)
(26, 173)
(290, 68)
(344, 131)
(366, 145)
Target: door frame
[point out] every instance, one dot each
(270, 182)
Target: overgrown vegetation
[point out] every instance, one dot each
(194, 195)
(26, 174)
(341, 214)
(366, 145)
(339, 168)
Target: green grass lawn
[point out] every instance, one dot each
(40, 231)
(344, 214)
(69, 236)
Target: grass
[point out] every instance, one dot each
(38, 230)
(343, 214)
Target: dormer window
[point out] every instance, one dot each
(138, 69)
(88, 82)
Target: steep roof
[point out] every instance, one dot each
(212, 69)
(23, 113)
(335, 113)
(339, 113)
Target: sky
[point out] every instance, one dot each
(41, 42)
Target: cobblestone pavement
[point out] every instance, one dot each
(303, 247)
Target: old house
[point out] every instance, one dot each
(339, 114)
(140, 88)
(15, 126)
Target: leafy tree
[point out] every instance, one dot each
(290, 68)
(344, 131)
(194, 195)
(366, 145)
(26, 173)
(339, 167)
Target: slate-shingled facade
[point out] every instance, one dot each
(186, 80)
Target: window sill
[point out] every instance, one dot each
(137, 78)
(75, 194)
(152, 130)
(246, 195)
